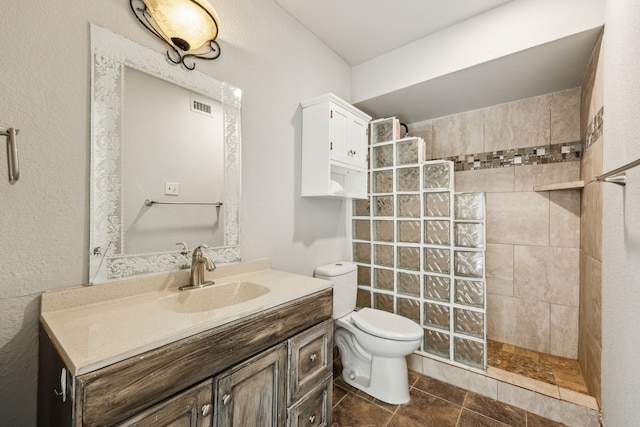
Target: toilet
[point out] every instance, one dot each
(373, 344)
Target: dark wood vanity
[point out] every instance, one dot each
(271, 368)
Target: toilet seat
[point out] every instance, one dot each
(386, 325)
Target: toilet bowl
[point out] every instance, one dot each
(373, 344)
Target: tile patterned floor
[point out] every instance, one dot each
(433, 403)
(555, 370)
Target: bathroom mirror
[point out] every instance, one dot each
(143, 149)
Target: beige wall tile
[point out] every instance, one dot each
(586, 165)
(564, 218)
(565, 116)
(460, 377)
(423, 130)
(591, 94)
(518, 321)
(564, 331)
(526, 177)
(549, 407)
(498, 180)
(518, 218)
(591, 297)
(591, 220)
(458, 134)
(547, 274)
(499, 269)
(518, 124)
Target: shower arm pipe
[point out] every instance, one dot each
(13, 167)
(150, 202)
(617, 176)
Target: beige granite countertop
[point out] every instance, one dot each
(95, 326)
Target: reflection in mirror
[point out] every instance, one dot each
(178, 158)
(158, 131)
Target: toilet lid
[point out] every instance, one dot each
(386, 325)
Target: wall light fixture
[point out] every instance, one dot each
(188, 27)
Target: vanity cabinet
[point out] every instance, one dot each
(269, 368)
(191, 408)
(334, 148)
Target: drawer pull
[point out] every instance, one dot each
(313, 357)
(312, 418)
(206, 410)
(226, 399)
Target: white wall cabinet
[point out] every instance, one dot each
(334, 148)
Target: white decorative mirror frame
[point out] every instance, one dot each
(110, 54)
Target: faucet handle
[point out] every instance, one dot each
(197, 252)
(185, 248)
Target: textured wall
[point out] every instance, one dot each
(621, 216)
(532, 256)
(44, 80)
(590, 342)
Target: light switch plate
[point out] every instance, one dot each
(171, 188)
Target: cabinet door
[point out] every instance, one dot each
(189, 408)
(310, 359)
(252, 394)
(339, 144)
(358, 142)
(314, 409)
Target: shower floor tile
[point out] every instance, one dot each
(555, 370)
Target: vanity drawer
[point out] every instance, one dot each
(310, 359)
(314, 409)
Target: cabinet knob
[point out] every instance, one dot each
(226, 399)
(312, 418)
(206, 410)
(313, 357)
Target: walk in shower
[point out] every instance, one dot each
(420, 247)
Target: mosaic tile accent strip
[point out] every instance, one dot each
(554, 153)
(419, 247)
(594, 129)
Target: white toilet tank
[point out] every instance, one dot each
(344, 276)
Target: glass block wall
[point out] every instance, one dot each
(420, 248)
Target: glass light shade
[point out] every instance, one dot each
(188, 24)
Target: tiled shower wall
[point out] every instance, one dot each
(590, 338)
(533, 238)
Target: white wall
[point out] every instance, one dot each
(621, 217)
(44, 91)
(505, 30)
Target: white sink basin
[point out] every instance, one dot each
(213, 297)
